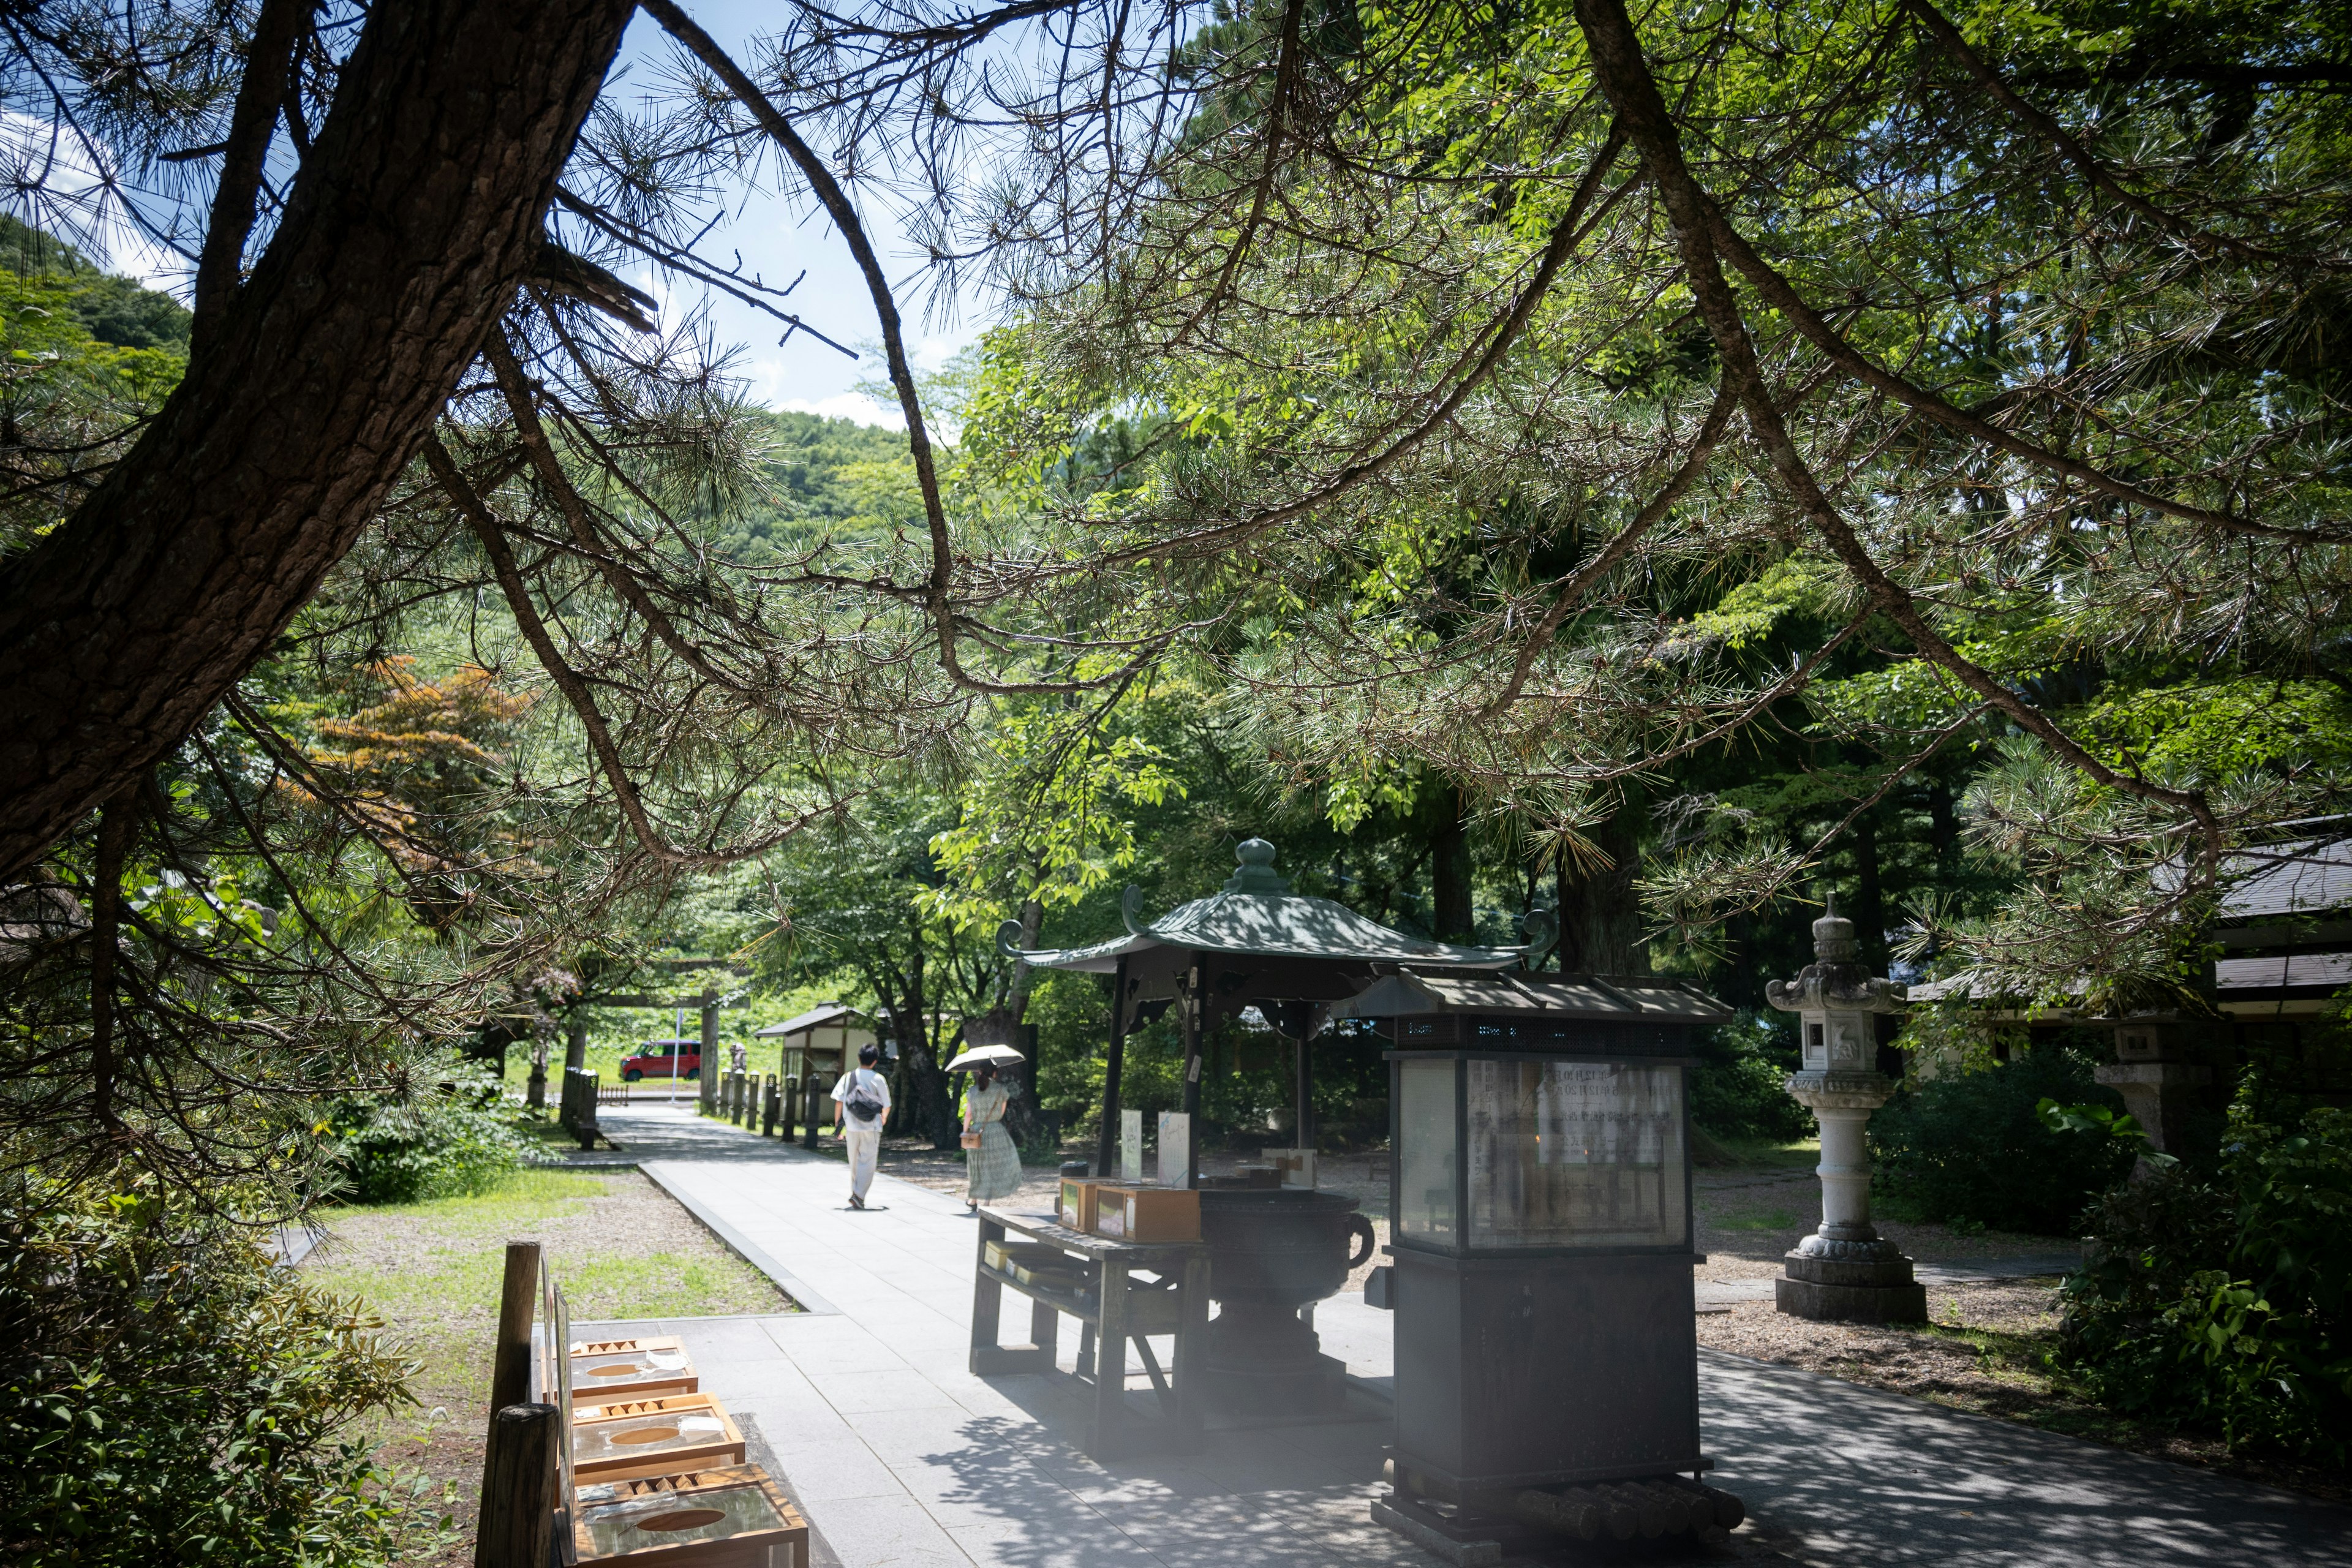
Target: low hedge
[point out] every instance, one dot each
(1970, 1148)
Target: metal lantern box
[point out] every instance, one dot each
(1540, 1232)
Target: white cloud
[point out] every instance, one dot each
(854, 405)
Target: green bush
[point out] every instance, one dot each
(1735, 1090)
(1969, 1147)
(2226, 1303)
(171, 1398)
(452, 1138)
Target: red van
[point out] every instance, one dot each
(663, 1058)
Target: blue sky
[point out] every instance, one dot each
(776, 241)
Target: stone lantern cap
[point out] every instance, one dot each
(1835, 979)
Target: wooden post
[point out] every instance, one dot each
(790, 1107)
(518, 1300)
(1191, 1359)
(1303, 1117)
(1106, 1427)
(709, 1044)
(768, 1105)
(1195, 1002)
(1112, 1069)
(519, 1486)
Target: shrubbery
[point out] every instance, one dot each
(454, 1137)
(2226, 1302)
(1735, 1090)
(1969, 1147)
(171, 1398)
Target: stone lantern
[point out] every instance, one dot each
(2156, 1073)
(1845, 1271)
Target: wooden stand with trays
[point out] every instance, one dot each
(733, 1516)
(678, 1510)
(651, 1437)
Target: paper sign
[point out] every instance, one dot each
(1130, 1146)
(1175, 1149)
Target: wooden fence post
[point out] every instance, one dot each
(518, 1488)
(518, 1302)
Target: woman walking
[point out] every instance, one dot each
(992, 1164)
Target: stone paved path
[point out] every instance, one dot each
(902, 1458)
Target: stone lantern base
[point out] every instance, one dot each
(1838, 1290)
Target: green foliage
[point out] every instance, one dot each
(1735, 1090)
(1072, 1015)
(68, 400)
(2102, 1121)
(825, 480)
(2226, 1302)
(1972, 1147)
(1051, 816)
(171, 1398)
(452, 1138)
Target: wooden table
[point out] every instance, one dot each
(1115, 1307)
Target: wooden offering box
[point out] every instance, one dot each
(654, 1437)
(1147, 1214)
(603, 1371)
(1078, 1199)
(731, 1516)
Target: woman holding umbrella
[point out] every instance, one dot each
(992, 1164)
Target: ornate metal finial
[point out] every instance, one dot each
(1008, 941)
(1256, 872)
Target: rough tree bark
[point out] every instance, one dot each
(418, 212)
(1450, 885)
(1600, 913)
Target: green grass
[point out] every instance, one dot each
(620, 1247)
(466, 1241)
(432, 1270)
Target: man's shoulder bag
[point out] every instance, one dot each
(861, 1104)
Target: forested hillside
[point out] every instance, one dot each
(825, 478)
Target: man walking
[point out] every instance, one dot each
(861, 1101)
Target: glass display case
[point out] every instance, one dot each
(1540, 1267)
(1507, 1153)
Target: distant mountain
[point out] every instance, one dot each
(116, 309)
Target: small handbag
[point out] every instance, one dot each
(972, 1138)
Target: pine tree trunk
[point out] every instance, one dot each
(416, 214)
(1600, 918)
(1869, 895)
(1449, 872)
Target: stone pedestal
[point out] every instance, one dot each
(1851, 1291)
(1845, 1271)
